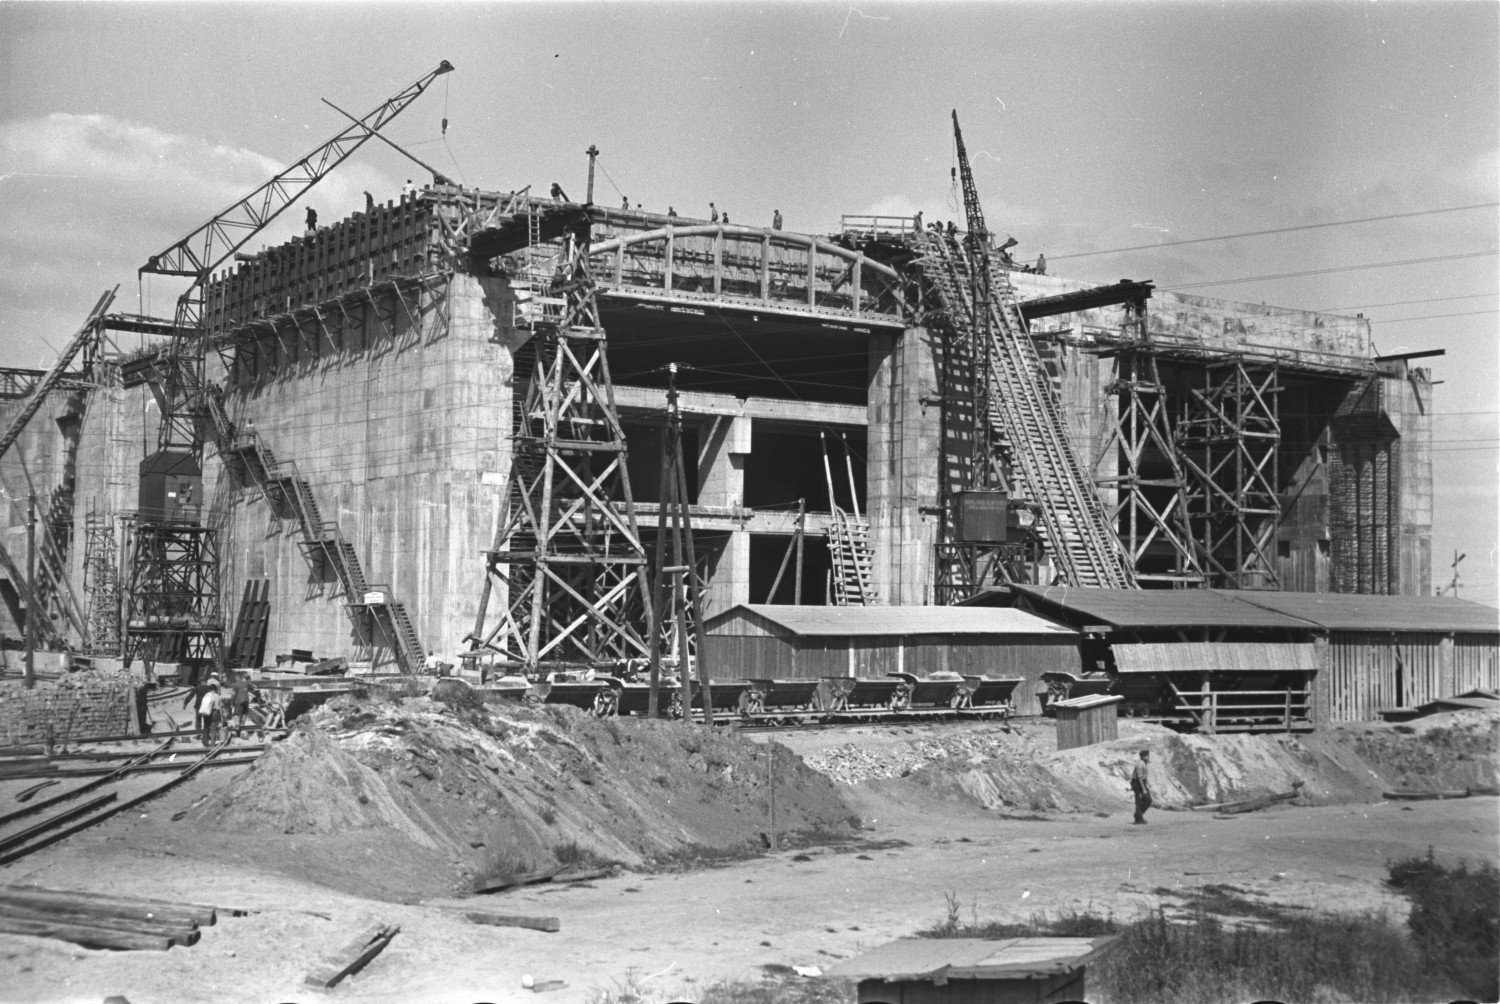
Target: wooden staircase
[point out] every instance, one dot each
(375, 614)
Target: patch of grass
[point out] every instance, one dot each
(1157, 959)
(1455, 920)
(778, 985)
(499, 867)
(572, 856)
(1229, 902)
(691, 856)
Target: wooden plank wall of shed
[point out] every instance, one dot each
(1026, 657)
(737, 657)
(1368, 671)
(1087, 726)
(1476, 662)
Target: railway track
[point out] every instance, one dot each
(95, 794)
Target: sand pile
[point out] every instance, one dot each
(1021, 769)
(476, 795)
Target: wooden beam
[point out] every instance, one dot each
(352, 957)
(492, 919)
(81, 934)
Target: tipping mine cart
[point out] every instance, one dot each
(730, 697)
(858, 695)
(989, 696)
(626, 697)
(583, 694)
(938, 692)
(782, 699)
(1062, 686)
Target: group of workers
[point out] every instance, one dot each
(214, 705)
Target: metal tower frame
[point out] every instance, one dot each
(567, 568)
(173, 612)
(1151, 509)
(101, 582)
(1231, 437)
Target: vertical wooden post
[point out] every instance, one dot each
(658, 605)
(1213, 712)
(771, 770)
(695, 588)
(801, 524)
(718, 263)
(32, 611)
(765, 267)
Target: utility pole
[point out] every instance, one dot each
(31, 606)
(1453, 583)
(593, 152)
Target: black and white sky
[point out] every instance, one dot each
(1092, 126)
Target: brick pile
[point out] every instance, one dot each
(76, 706)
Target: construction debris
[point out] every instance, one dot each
(352, 957)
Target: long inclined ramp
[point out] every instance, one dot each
(1025, 420)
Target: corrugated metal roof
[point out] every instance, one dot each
(1348, 612)
(887, 621)
(910, 959)
(1222, 656)
(1162, 608)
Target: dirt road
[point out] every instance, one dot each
(796, 907)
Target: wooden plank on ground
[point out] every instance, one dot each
(352, 957)
(180, 932)
(196, 913)
(492, 919)
(529, 878)
(89, 937)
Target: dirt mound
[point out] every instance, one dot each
(474, 796)
(1020, 767)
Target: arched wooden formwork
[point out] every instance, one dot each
(774, 270)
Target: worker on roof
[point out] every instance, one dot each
(408, 190)
(1041, 265)
(312, 221)
(369, 203)
(558, 195)
(671, 212)
(713, 213)
(625, 205)
(776, 220)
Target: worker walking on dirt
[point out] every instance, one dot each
(193, 699)
(1140, 786)
(240, 700)
(208, 708)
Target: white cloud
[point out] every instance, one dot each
(87, 198)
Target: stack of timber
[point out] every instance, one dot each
(97, 921)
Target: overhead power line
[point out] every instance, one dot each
(1403, 303)
(1432, 317)
(1326, 271)
(1278, 230)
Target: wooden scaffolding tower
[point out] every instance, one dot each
(565, 587)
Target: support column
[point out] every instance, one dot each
(902, 476)
(724, 448)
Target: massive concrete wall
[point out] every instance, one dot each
(400, 421)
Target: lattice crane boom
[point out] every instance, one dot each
(978, 234)
(208, 247)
